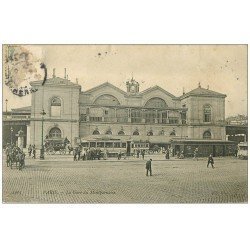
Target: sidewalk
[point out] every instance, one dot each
(156, 157)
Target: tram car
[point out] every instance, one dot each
(242, 150)
(115, 146)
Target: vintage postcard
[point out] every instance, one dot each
(124, 124)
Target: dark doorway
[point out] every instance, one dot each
(214, 151)
(128, 147)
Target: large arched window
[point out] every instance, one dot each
(207, 135)
(55, 133)
(156, 102)
(108, 100)
(207, 113)
(55, 107)
(121, 132)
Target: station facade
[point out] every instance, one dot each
(108, 112)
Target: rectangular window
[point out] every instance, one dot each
(95, 119)
(85, 144)
(109, 144)
(117, 145)
(100, 144)
(207, 118)
(173, 120)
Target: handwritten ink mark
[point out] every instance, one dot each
(43, 66)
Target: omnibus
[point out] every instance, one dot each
(242, 150)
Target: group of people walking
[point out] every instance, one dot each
(32, 150)
(81, 153)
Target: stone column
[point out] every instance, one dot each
(129, 115)
(156, 116)
(20, 139)
(180, 118)
(167, 119)
(115, 118)
(143, 116)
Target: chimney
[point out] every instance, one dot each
(183, 92)
(77, 80)
(208, 87)
(199, 85)
(67, 77)
(54, 73)
(65, 73)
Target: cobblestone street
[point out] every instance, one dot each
(58, 179)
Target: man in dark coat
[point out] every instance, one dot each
(148, 167)
(143, 153)
(210, 161)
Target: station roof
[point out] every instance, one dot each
(202, 92)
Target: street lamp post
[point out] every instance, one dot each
(42, 146)
(11, 131)
(6, 102)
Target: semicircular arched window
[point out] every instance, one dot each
(96, 132)
(109, 132)
(121, 133)
(150, 133)
(161, 132)
(55, 106)
(207, 113)
(136, 133)
(156, 102)
(172, 133)
(207, 135)
(55, 133)
(108, 100)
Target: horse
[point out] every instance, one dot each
(18, 157)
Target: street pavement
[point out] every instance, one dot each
(58, 179)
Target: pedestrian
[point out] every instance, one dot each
(196, 154)
(236, 152)
(119, 155)
(149, 167)
(167, 154)
(75, 154)
(138, 153)
(30, 150)
(182, 155)
(34, 151)
(105, 154)
(210, 161)
(143, 153)
(83, 154)
(79, 153)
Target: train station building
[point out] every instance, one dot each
(106, 112)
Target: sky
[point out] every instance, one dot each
(172, 67)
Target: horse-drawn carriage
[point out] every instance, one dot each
(15, 156)
(53, 146)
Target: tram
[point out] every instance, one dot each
(242, 150)
(114, 146)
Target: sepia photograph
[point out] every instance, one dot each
(88, 124)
